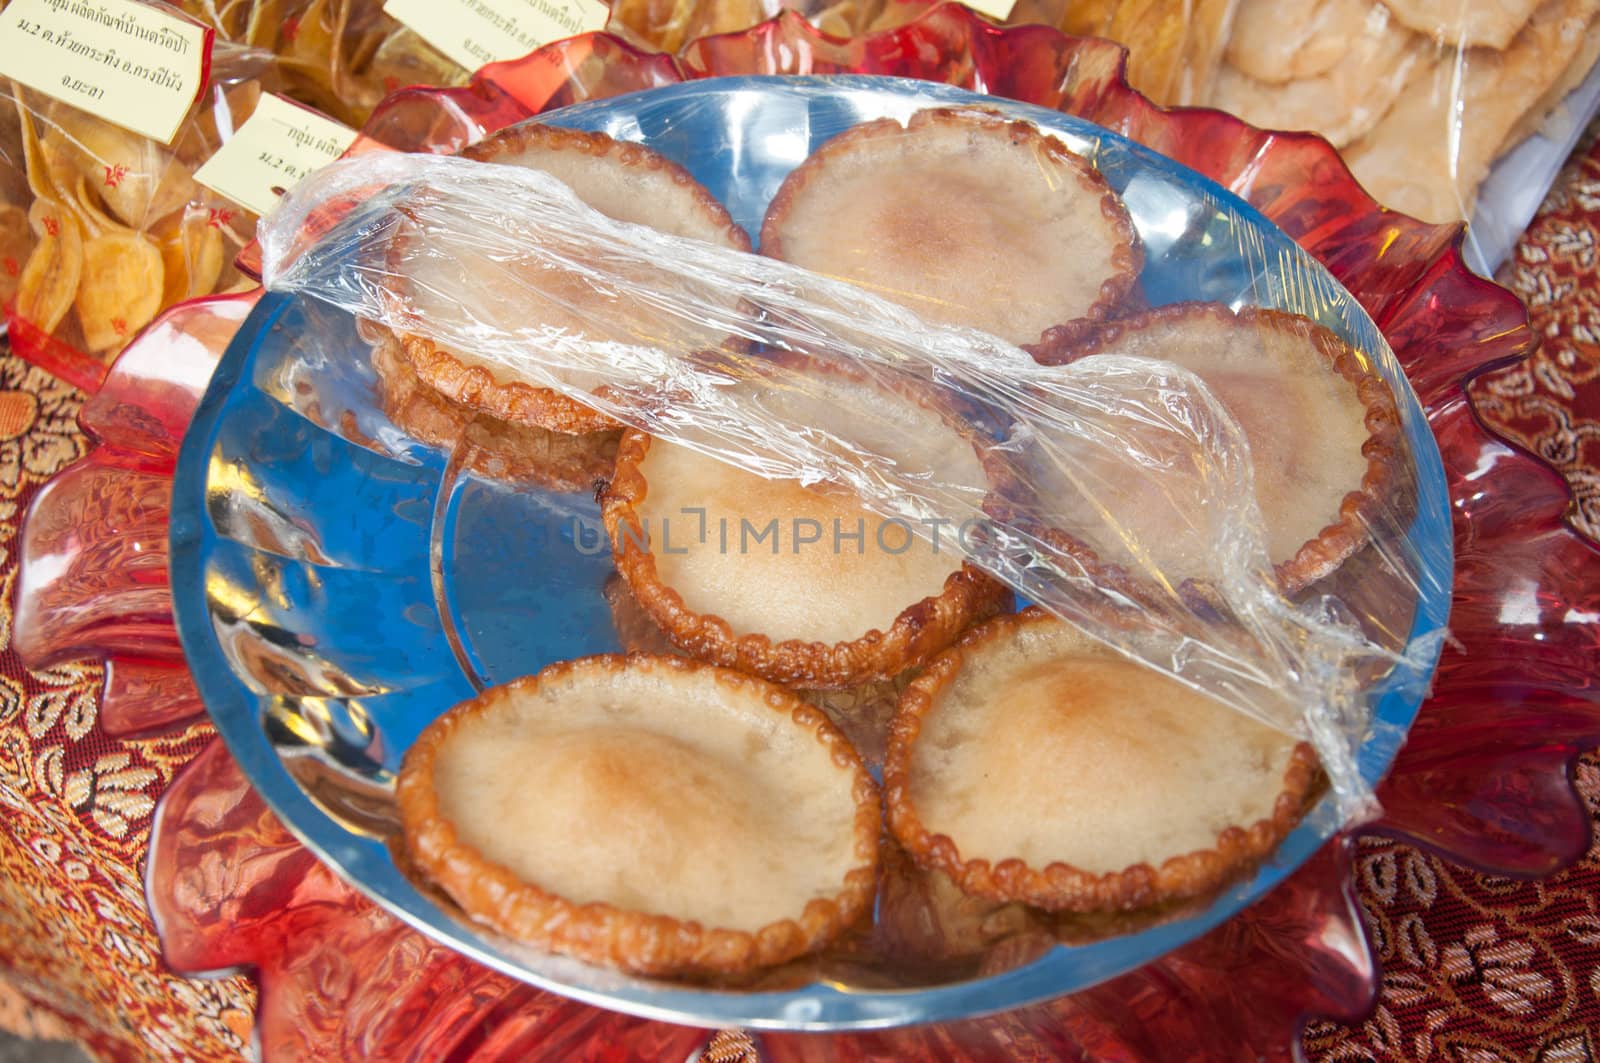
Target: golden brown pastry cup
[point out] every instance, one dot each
(1126, 262)
(1384, 447)
(517, 403)
(920, 630)
(1060, 887)
(499, 450)
(601, 933)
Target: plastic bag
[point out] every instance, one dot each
(102, 228)
(339, 56)
(1424, 99)
(739, 357)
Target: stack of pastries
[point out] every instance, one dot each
(704, 806)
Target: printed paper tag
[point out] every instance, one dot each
(475, 32)
(275, 148)
(999, 10)
(137, 66)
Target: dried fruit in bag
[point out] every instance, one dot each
(1175, 46)
(138, 179)
(49, 280)
(262, 26)
(121, 288)
(16, 242)
(135, 232)
(401, 58)
(191, 255)
(35, 166)
(668, 24)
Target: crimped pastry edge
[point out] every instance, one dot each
(1061, 887)
(556, 461)
(1347, 532)
(516, 402)
(1127, 257)
(601, 933)
(917, 632)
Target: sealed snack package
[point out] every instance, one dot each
(1425, 100)
(1021, 406)
(102, 227)
(1421, 98)
(108, 227)
(339, 56)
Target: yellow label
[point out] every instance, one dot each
(134, 65)
(999, 10)
(272, 152)
(475, 32)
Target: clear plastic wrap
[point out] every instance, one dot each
(791, 374)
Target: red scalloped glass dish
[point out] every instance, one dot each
(1483, 778)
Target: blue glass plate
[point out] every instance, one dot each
(338, 584)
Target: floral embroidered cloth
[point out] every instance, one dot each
(1475, 968)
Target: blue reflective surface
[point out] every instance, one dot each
(337, 585)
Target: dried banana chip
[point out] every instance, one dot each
(90, 212)
(50, 277)
(191, 255)
(138, 179)
(121, 289)
(33, 157)
(314, 40)
(16, 243)
(60, 165)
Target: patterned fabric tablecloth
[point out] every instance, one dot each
(1475, 968)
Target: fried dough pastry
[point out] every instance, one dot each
(1031, 763)
(986, 223)
(1274, 373)
(1344, 102)
(624, 181)
(649, 813)
(1490, 23)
